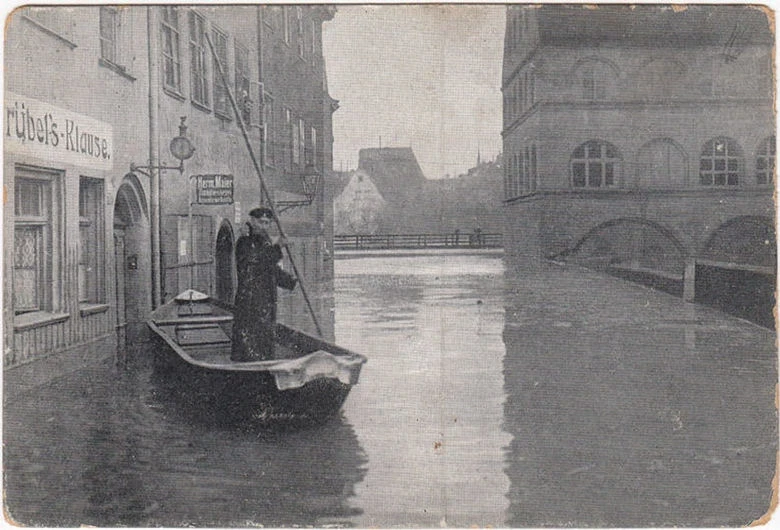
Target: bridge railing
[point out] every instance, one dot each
(412, 241)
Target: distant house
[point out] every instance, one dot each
(400, 182)
(359, 207)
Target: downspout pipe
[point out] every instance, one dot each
(154, 180)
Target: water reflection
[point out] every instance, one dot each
(630, 408)
(110, 449)
(428, 409)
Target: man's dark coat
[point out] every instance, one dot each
(259, 273)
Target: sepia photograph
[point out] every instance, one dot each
(420, 265)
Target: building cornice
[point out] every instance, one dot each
(632, 105)
(644, 193)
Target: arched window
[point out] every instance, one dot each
(595, 79)
(720, 163)
(765, 161)
(661, 163)
(594, 164)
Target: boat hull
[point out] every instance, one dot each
(308, 384)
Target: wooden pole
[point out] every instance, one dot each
(263, 187)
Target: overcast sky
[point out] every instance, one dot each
(420, 76)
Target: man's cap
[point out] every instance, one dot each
(262, 212)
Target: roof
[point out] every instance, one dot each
(647, 24)
(394, 170)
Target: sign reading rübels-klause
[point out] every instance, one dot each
(53, 134)
(214, 189)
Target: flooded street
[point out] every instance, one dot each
(560, 398)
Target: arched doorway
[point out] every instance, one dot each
(132, 264)
(224, 263)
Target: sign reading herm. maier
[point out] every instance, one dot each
(214, 189)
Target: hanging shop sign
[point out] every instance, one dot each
(213, 189)
(53, 134)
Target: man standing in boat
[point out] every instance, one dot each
(259, 273)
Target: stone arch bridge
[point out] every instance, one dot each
(666, 237)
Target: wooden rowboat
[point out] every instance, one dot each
(307, 380)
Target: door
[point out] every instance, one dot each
(121, 310)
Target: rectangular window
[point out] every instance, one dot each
(221, 102)
(269, 16)
(35, 233)
(288, 132)
(91, 239)
(109, 21)
(314, 152)
(198, 74)
(170, 48)
(313, 26)
(286, 24)
(301, 142)
(269, 110)
(242, 84)
(299, 27)
(296, 142)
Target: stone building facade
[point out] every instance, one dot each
(96, 235)
(636, 137)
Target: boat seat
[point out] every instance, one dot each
(197, 334)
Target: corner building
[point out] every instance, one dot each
(641, 140)
(97, 218)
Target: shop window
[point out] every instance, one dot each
(198, 55)
(594, 164)
(170, 48)
(765, 161)
(242, 84)
(720, 163)
(36, 233)
(91, 238)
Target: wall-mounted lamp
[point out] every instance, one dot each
(181, 148)
(310, 179)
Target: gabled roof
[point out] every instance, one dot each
(394, 170)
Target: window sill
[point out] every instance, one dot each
(200, 106)
(38, 319)
(174, 93)
(223, 115)
(115, 68)
(86, 309)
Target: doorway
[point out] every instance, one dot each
(224, 263)
(132, 265)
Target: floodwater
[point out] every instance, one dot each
(560, 398)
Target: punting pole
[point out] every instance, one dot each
(263, 187)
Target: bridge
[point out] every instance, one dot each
(417, 241)
(715, 246)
